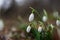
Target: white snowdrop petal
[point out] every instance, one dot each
(1, 3)
(31, 17)
(39, 29)
(44, 18)
(28, 29)
(57, 22)
(1, 25)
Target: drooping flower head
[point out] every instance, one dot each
(28, 29)
(31, 17)
(45, 17)
(40, 29)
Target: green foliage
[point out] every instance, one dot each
(35, 33)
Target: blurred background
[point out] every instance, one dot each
(12, 10)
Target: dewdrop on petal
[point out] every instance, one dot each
(31, 17)
(44, 18)
(1, 24)
(28, 29)
(40, 29)
(57, 22)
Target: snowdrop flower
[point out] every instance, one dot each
(31, 17)
(40, 29)
(1, 3)
(28, 29)
(13, 29)
(44, 18)
(1, 24)
(20, 2)
(7, 4)
(58, 22)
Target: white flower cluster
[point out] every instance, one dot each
(31, 18)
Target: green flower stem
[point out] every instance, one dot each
(33, 10)
(41, 23)
(45, 13)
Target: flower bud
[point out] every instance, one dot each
(31, 17)
(40, 29)
(44, 18)
(28, 29)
